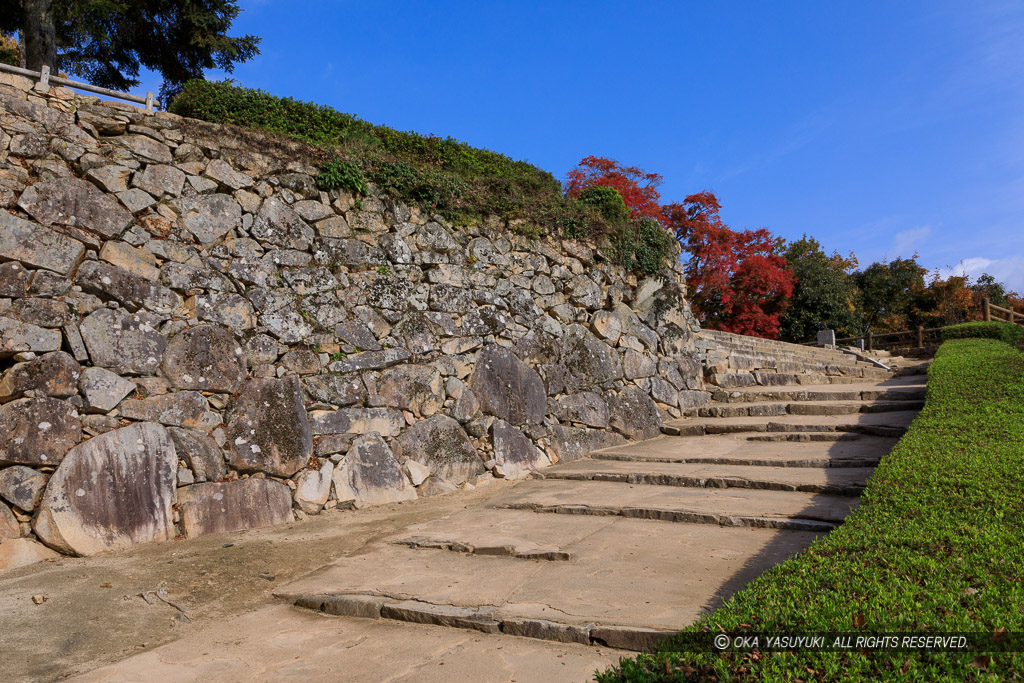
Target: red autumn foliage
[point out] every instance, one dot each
(738, 281)
(639, 189)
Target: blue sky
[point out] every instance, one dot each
(882, 128)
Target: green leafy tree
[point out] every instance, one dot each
(893, 295)
(107, 42)
(988, 286)
(9, 51)
(825, 295)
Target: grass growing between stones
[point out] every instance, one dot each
(463, 184)
(937, 545)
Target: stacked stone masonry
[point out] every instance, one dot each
(194, 338)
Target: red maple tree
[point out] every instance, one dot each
(639, 189)
(738, 280)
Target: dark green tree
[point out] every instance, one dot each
(988, 286)
(825, 295)
(893, 295)
(107, 42)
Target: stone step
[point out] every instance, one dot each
(727, 449)
(725, 507)
(483, 618)
(825, 392)
(893, 423)
(766, 409)
(736, 380)
(812, 437)
(791, 364)
(769, 347)
(845, 481)
(741, 353)
(634, 574)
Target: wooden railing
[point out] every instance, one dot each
(921, 335)
(917, 338)
(44, 79)
(1008, 314)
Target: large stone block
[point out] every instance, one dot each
(103, 389)
(111, 492)
(37, 431)
(179, 409)
(268, 430)
(383, 421)
(277, 223)
(18, 337)
(146, 148)
(514, 453)
(442, 445)
(54, 374)
(131, 290)
(573, 443)
(37, 246)
(200, 452)
(335, 389)
(121, 342)
(214, 508)
(587, 408)
(411, 387)
(508, 388)
(587, 361)
(75, 202)
(9, 527)
(634, 414)
(22, 486)
(209, 217)
(370, 475)
(205, 358)
(14, 279)
(313, 487)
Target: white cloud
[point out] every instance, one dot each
(1009, 270)
(903, 243)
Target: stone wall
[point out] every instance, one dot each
(194, 338)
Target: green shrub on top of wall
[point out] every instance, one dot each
(440, 175)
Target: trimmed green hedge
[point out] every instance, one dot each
(1005, 332)
(936, 545)
(443, 175)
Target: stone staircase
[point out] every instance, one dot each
(734, 361)
(624, 547)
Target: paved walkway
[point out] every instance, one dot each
(557, 576)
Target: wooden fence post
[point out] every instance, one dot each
(920, 337)
(986, 314)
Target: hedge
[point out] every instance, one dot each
(936, 545)
(1010, 333)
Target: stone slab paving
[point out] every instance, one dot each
(907, 387)
(841, 480)
(736, 450)
(280, 642)
(717, 505)
(864, 422)
(626, 572)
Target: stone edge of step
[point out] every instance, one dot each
(486, 619)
